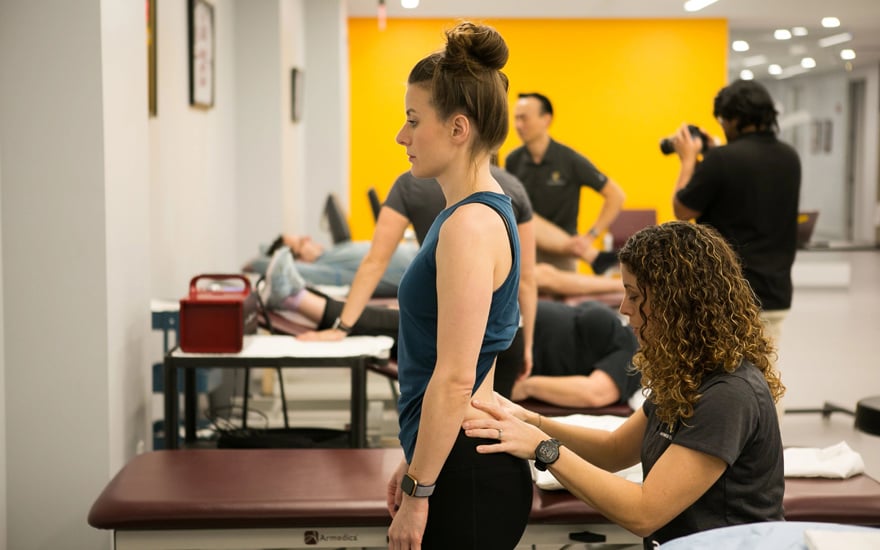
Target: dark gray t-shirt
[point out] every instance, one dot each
(576, 340)
(734, 420)
(554, 185)
(420, 200)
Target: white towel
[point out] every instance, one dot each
(817, 539)
(836, 462)
(545, 480)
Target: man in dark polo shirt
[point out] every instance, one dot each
(553, 175)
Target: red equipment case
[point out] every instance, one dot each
(215, 319)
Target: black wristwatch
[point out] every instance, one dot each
(546, 453)
(410, 486)
(339, 325)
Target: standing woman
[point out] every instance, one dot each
(458, 308)
(708, 435)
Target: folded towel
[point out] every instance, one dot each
(837, 462)
(817, 539)
(545, 480)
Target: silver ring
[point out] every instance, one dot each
(500, 432)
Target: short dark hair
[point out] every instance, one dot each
(747, 102)
(546, 106)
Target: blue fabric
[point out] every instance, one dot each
(770, 535)
(417, 339)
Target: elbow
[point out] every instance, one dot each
(643, 529)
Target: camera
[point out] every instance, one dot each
(667, 147)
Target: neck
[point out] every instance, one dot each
(468, 178)
(537, 147)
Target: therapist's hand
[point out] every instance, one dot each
(517, 437)
(408, 526)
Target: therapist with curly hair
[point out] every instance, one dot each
(707, 436)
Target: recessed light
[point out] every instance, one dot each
(746, 74)
(781, 34)
(774, 69)
(697, 5)
(409, 4)
(830, 22)
(754, 60)
(847, 54)
(835, 39)
(740, 46)
(799, 31)
(808, 62)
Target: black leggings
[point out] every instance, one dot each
(482, 502)
(384, 321)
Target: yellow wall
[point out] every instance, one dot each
(617, 87)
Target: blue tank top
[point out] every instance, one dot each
(417, 338)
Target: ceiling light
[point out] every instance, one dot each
(774, 69)
(754, 60)
(835, 39)
(799, 31)
(409, 4)
(740, 46)
(808, 62)
(697, 5)
(781, 34)
(792, 71)
(746, 74)
(847, 54)
(830, 22)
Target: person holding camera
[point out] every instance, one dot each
(748, 190)
(553, 174)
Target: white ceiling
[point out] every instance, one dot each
(750, 20)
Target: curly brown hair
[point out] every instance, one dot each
(702, 314)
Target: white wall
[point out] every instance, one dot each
(74, 165)
(192, 159)
(103, 209)
(326, 106)
(826, 97)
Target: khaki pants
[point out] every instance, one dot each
(773, 330)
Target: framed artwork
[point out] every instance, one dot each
(296, 93)
(201, 54)
(151, 57)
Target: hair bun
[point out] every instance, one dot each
(467, 43)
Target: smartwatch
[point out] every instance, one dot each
(410, 486)
(546, 453)
(593, 233)
(339, 325)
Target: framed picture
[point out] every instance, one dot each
(201, 54)
(296, 93)
(151, 57)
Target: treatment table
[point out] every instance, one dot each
(331, 498)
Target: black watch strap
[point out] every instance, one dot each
(339, 325)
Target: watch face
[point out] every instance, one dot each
(547, 452)
(407, 485)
